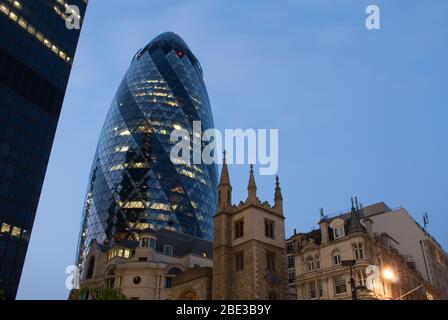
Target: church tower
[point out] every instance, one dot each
(249, 257)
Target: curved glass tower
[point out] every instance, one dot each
(133, 183)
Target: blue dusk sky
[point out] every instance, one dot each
(360, 113)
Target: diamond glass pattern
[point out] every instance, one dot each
(133, 183)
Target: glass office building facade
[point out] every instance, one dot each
(134, 185)
(36, 54)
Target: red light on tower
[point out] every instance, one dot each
(180, 53)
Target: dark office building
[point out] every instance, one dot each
(36, 54)
(134, 185)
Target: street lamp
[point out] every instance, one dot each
(350, 264)
(389, 274)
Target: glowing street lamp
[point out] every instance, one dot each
(389, 274)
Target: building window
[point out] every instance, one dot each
(361, 277)
(196, 266)
(312, 290)
(239, 261)
(320, 288)
(289, 247)
(204, 254)
(359, 254)
(168, 250)
(340, 285)
(110, 279)
(239, 229)
(339, 232)
(270, 261)
(336, 259)
(5, 228)
(291, 275)
(310, 264)
(269, 228)
(168, 282)
(148, 243)
(91, 268)
(317, 260)
(290, 261)
(137, 280)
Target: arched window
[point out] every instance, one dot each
(310, 264)
(91, 268)
(172, 273)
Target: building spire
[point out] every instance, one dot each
(278, 191)
(355, 224)
(224, 187)
(278, 197)
(224, 179)
(252, 187)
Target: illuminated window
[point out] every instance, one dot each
(17, 4)
(121, 148)
(23, 23)
(15, 232)
(13, 16)
(4, 9)
(5, 228)
(132, 205)
(31, 29)
(161, 206)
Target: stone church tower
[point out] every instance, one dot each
(249, 257)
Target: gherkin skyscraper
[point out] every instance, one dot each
(133, 184)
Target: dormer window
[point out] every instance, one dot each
(168, 250)
(338, 228)
(339, 232)
(148, 243)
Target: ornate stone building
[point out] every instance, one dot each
(346, 247)
(146, 268)
(249, 254)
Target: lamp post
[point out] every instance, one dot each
(350, 264)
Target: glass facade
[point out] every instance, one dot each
(133, 183)
(36, 53)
